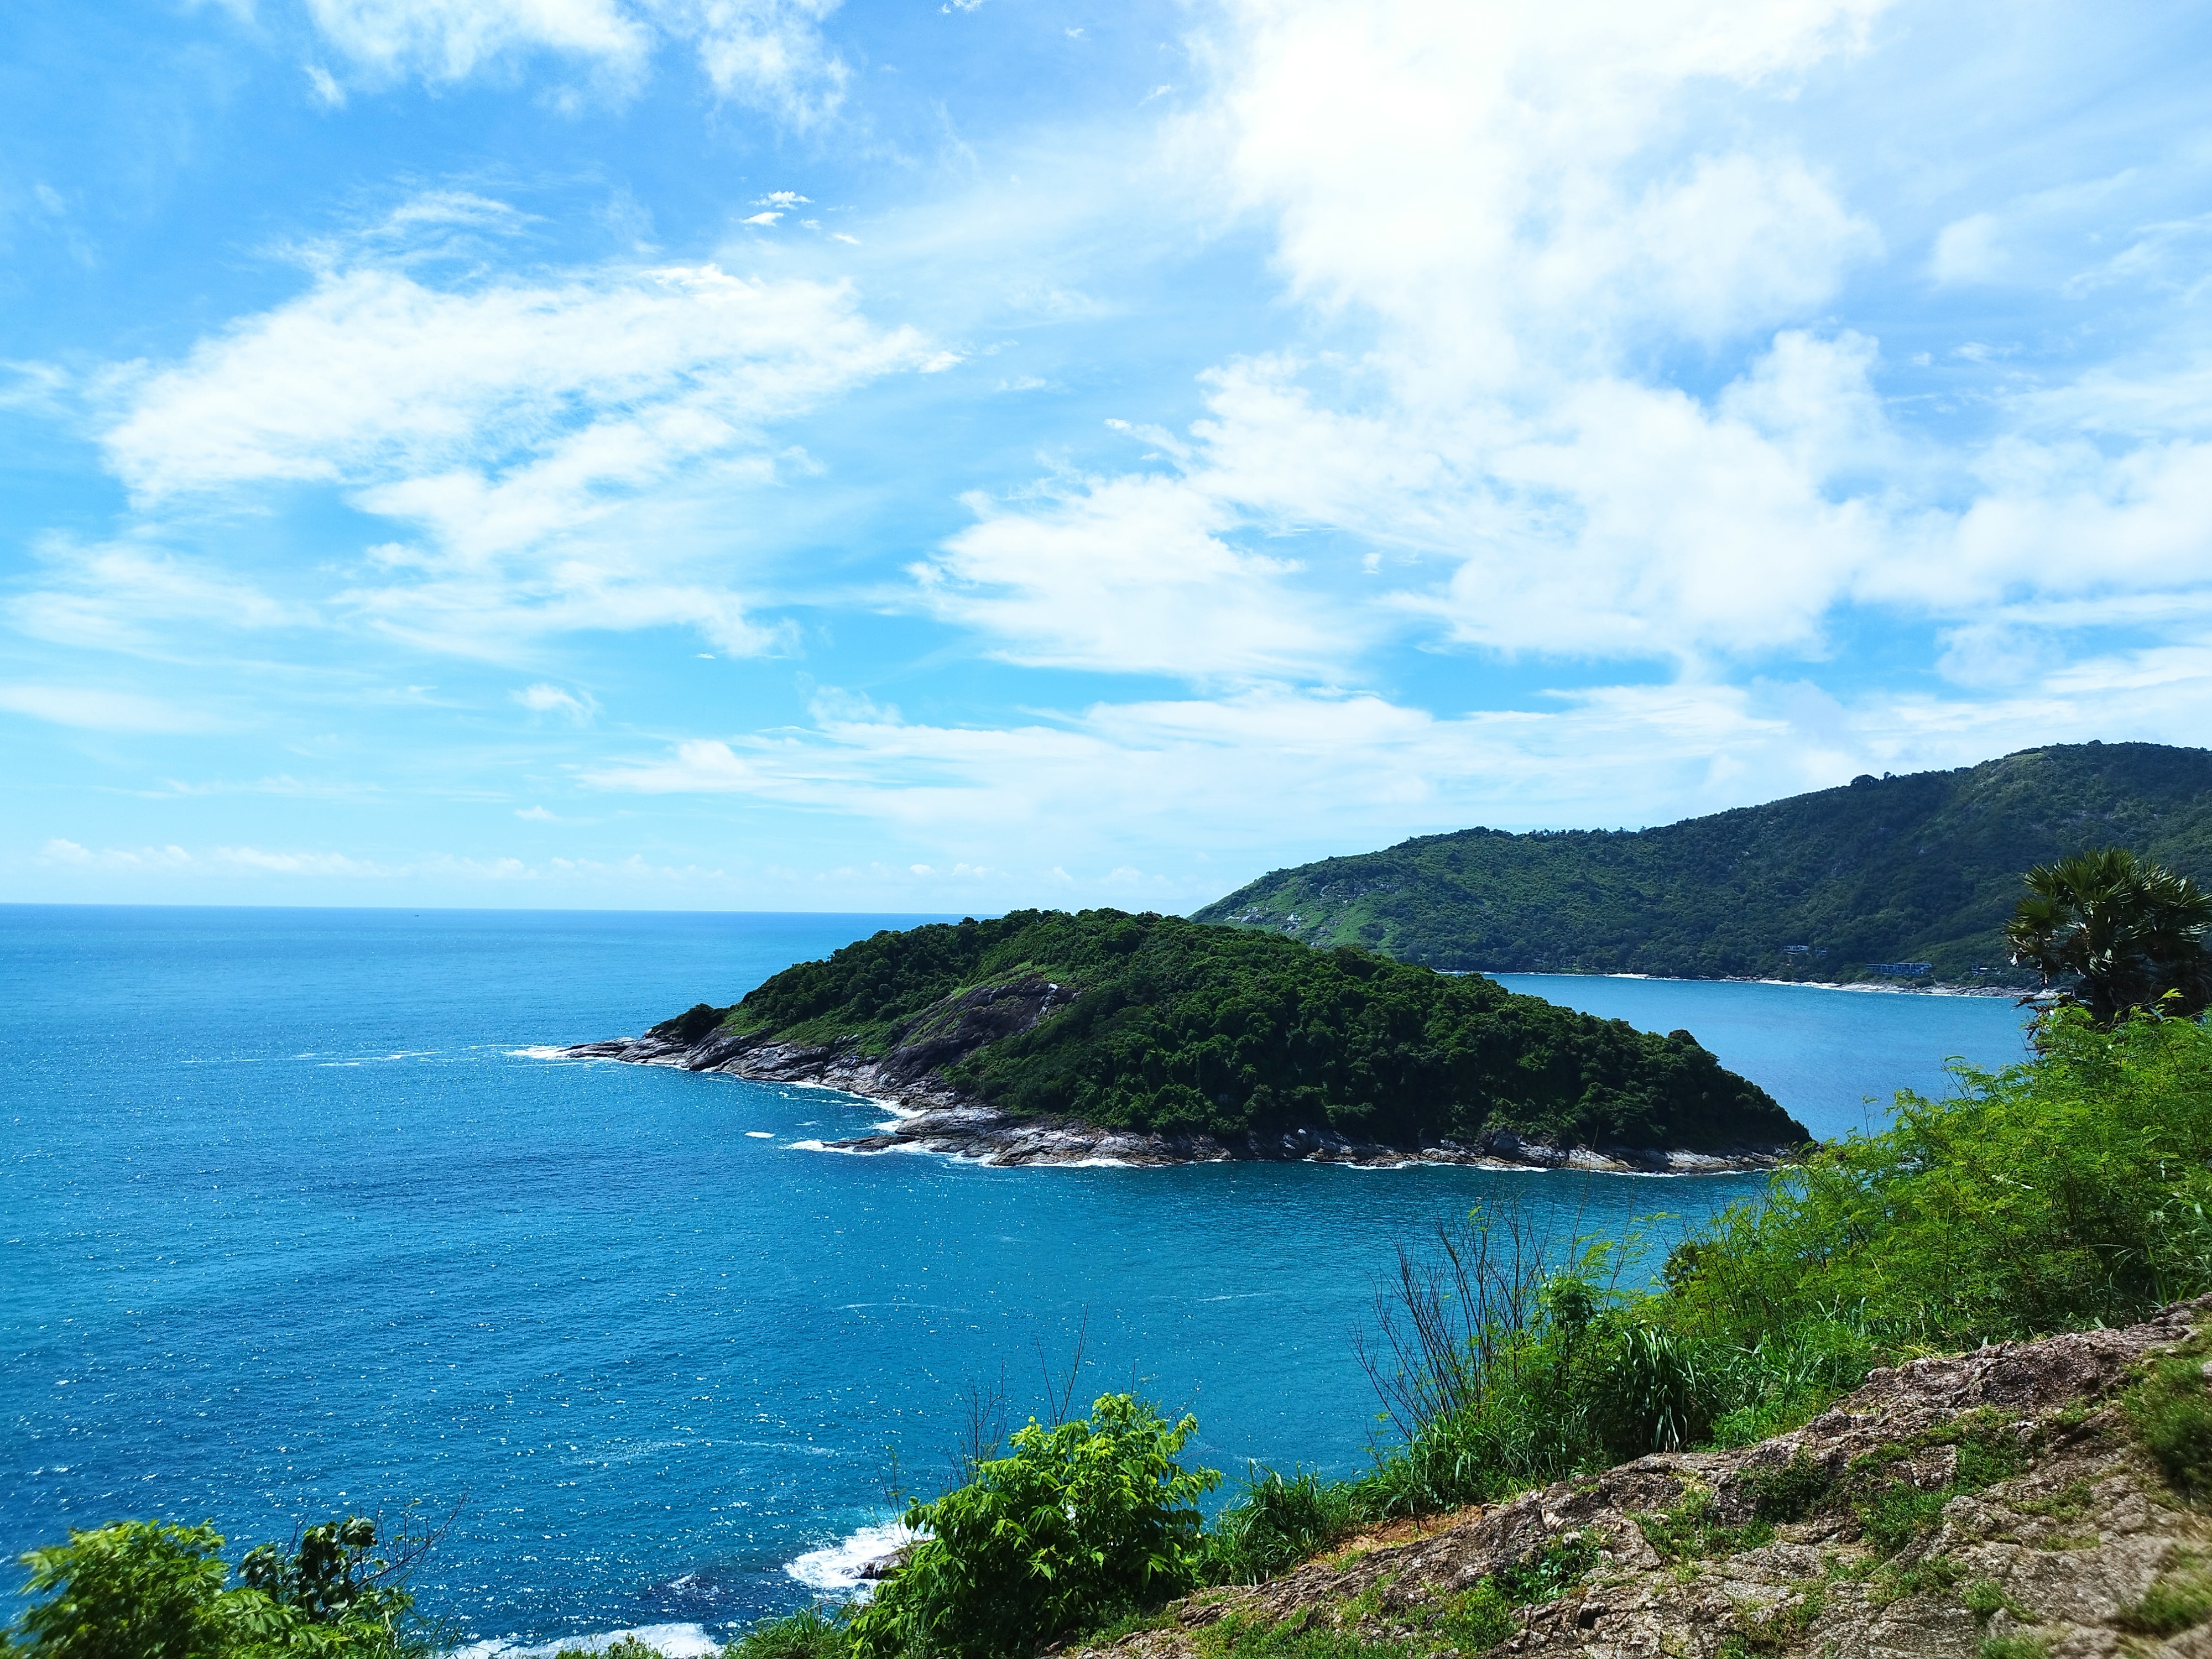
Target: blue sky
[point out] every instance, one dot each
(778, 454)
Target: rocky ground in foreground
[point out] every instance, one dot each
(934, 1118)
(1997, 1505)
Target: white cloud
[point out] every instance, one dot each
(1274, 773)
(1525, 214)
(1128, 573)
(540, 437)
(372, 376)
(59, 850)
(128, 596)
(452, 40)
(325, 86)
(542, 699)
(99, 710)
(767, 53)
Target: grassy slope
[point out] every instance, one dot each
(1919, 868)
(1178, 1027)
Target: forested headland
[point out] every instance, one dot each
(1907, 878)
(1158, 1025)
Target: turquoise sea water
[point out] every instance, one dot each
(295, 1224)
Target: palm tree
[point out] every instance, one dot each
(2127, 933)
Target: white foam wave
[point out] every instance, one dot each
(539, 1051)
(672, 1641)
(834, 1569)
(758, 1134)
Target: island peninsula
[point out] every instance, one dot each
(1100, 1036)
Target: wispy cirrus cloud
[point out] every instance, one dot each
(97, 708)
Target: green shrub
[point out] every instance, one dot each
(1277, 1523)
(1481, 1617)
(810, 1633)
(1296, 1637)
(1654, 1391)
(1693, 1529)
(1790, 1492)
(2169, 1607)
(1985, 1598)
(2172, 1416)
(145, 1590)
(1076, 1525)
(2059, 1193)
(630, 1647)
(2074, 1189)
(137, 1588)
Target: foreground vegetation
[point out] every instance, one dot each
(2068, 1191)
(1154, 1023)
(1822, 886)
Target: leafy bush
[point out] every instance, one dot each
(2063, 1192)
(139, 1588)
(1077, 1523)
(145, 1590)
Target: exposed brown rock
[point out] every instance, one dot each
(2057, 1555)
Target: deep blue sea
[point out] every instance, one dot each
(295, 1225)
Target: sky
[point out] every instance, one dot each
(948, 455)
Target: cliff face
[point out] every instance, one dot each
(2001, 1505)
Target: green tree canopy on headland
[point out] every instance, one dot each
(1154, 1023)
(2117, 933)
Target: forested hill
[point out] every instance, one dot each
(1158, 1025)
(1846, 883)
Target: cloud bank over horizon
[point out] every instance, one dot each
(768, 453)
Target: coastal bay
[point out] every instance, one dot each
(296, 1223)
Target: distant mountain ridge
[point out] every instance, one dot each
(1908, 879)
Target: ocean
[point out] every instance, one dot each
(300, 1220)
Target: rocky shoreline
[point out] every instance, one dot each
(930, 1117)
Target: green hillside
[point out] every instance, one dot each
(1154, 1023)
(1826, 886)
